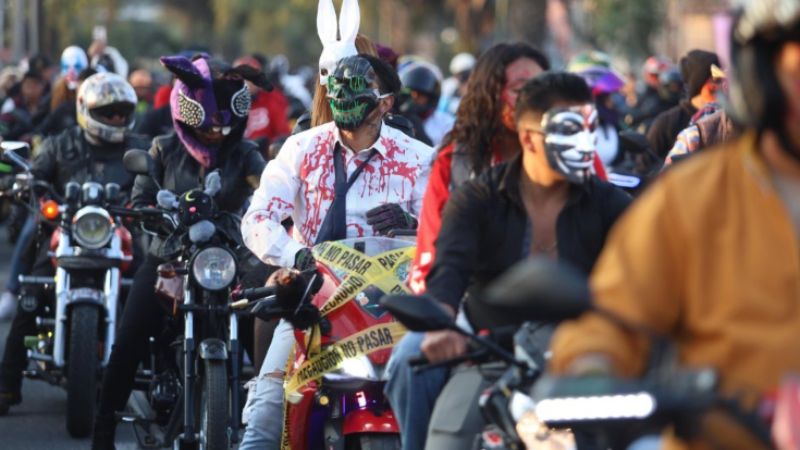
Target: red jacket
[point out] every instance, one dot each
(430, 218)
(268, 116)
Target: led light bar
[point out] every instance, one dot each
(569, 409)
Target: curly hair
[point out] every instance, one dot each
(477, 118)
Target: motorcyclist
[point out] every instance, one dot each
(28, 109)
(56, 122)
(454, 87)
(708, 256)
(595, 68)
(545, 201)
(702, 87)
(210, 105)
(90, 151)
(483, 135)
(421, 92)
(62, 96)
(651, 101)
(352, 177)
(267, 120)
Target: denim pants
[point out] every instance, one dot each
(265, 423)
(18, 261)
(412, 395)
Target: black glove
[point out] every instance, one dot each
(304, 260)
(390, 216)
(290, 287)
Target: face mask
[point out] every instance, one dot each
(570, 141)
(351, 92)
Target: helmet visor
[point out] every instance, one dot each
(114, 114)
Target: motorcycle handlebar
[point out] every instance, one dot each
(253, 293)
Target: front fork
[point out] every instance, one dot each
(234, 382)
(190, 372)
(189, 377)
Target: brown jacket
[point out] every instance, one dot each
(709, 256)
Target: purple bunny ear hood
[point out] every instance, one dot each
(194, 104)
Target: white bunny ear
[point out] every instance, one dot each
(326, 22)
(349, 21)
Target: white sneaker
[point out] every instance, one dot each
(8, 306)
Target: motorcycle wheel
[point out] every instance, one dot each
(82, 370)
(214, 414)
(373, 441)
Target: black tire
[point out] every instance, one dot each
(214, 403)
(373, 441)
(82, 364)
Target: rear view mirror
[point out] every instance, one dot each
(15, 146)
(16, 152)
(138, 162)
(542, 290)
(418, 313)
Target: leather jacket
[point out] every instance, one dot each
(239, 167)
(68, 156)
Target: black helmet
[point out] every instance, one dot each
(421, 79)
(760, 30)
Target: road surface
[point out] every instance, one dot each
(38, 423)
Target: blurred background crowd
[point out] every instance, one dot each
(629, 50)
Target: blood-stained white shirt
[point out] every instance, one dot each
(299, 182)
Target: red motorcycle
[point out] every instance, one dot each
(343, 340)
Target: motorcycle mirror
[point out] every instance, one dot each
(137, 161)
(13, 146)
(540, 289)
(418, 313)
(16, 152)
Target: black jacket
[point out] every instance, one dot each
(240, 172)
(665, 129)
(155, 122)
(68, 156)
(484, 230)
(58, 120)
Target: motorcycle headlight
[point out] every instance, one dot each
(92, 227)
(214, 268)
(358, 367)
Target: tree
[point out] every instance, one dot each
(623, 26)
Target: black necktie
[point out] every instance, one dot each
(334, 226)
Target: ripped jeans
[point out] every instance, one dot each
(265, 422)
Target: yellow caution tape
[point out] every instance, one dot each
(361, 271)
(372, 339)
(285, 443)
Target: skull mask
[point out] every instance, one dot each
(353, 92)
(570, 141)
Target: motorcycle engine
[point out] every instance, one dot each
(164, 394)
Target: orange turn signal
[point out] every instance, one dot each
(50, 210)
